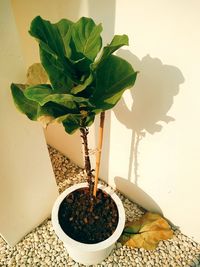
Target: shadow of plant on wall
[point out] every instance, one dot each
(152, 98)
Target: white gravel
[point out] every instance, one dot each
(42, 248)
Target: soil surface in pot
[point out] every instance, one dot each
(85, 224)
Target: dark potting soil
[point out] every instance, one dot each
(85, 224)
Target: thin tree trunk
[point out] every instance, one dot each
(84, 132)
(99, 148)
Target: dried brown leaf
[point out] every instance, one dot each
(147, 232)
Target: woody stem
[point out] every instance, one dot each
(84, 132)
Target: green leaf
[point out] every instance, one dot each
(86, 37)
(58, 72)
(43, 94)
(64, 27)
(48, 36)
(71, 122)
(117, 42)
(82, 66)
(26, 106)
(69, 101)
(89, 119)
(77, 89)
(113, 76)
(53, 109)
(53, 51)
(38, 92)
(31, 109)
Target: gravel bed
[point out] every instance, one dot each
(42, 248)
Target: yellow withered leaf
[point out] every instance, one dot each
(146, 232)
(45, 120)
(36, 74)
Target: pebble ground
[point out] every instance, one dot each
(42, 248)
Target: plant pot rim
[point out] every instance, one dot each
(79, 245)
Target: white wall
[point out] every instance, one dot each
(27, 183)
(164, 47)
(151, 145)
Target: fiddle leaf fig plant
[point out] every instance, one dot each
(85, 79)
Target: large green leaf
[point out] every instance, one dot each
(53, 51)
(31, 108)
(117, 42)
(58, 72)
(80, 62)
(64, 27)
(69, 101)
(113, 76)
(43, 94)
(79, 88)
(72, 122)
(48, 36)
(26, 106)
(86, 37)
(38, 92)
(54, 109)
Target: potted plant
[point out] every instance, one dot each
(85, 80)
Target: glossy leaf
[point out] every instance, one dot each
(53, 51)
(147, 232)
(23, 104)
(112, 78)
(48, 36)
(64, 27)
(43, 94)
(79, 88)
(86, 37)
(71, 122)
(31, 108)
(60, 74)
(117, 42)
(54, 109)
(69, 101)
(38, 92)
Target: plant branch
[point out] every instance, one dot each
(84, 132)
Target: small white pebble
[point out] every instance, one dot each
(17, 257)
(47, 247)
(35, 236)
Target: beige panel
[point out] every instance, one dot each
(70, 145)
(27, 184)
(25, 11)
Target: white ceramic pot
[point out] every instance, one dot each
(88, 254)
